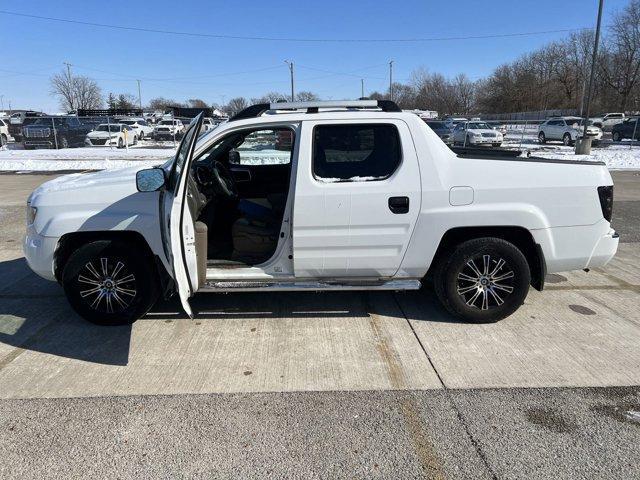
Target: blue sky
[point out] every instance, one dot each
(182, 67)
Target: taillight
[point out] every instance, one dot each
(606, 201)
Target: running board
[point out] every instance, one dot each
(229, 286)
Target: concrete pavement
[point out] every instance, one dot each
(322, 385)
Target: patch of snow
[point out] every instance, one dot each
(86, 158)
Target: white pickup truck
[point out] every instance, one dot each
(363, 197)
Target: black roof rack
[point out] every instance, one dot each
(313, 107)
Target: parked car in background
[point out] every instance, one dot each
(441, 129)
(209, 124)
(502, 128)
(54, 132)
(19, 119)
(346, 212)
(626, 129)
(607, 121)
(476, 133)
(139, 125)
(452, 122)
(116, 135)
(4, 133)
(567, 130)
(167, 129)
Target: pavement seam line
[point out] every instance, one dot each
(422, 445)
(447, 393)
(24, 346)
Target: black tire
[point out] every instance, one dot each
(542, 138)
(479, 301)
(617, 137)
(141, 136)
(566, 139)
(99, 278)
(63, 142)
(3, 140)
(135, 140)
(120, 143)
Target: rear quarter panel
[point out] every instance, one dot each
(541, 197)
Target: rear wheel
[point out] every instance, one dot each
(482, 280)
(616, 136)
(120, 143)
(542, 138)
(3, 140)
(108, 283)
(63, 142)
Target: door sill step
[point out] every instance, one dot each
(247, 286)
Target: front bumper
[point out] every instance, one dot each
(39, 252)
(484, 141)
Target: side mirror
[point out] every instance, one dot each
(234, 157)
(150, 179)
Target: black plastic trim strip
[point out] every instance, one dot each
(531, 159)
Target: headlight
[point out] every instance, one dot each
(31, 214)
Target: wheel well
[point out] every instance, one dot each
(519, 236)
(70, 242)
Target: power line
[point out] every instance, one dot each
(294, 39)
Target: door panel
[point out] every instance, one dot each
(347, 228)
(181, 223)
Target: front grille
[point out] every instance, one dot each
(488, 134)
(98, 141)
(163, 130)
(37, 132)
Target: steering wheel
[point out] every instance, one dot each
(223, 183)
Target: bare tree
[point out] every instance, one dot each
(76, 92)
(236, 105)
(197, 103)
(621, 55)
(161, 103)
(270, 97)
(306, 96)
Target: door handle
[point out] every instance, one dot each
(399, 204)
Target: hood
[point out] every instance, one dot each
(101, 134)
(105, 186)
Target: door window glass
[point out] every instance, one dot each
(181, 158)
(265, 147)
(355, 152)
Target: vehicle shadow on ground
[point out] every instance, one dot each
(34, 314)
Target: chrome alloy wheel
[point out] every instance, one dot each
(109, 288)
(487, 286)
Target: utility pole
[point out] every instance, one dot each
(139, 95)
(69, 78)
(583, 147)
(391, 80)
(290, 63)
(362, 88)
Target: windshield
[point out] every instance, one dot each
(478, 126)
(127, 122)
(41, 121)
(166, 122)
(108, 128)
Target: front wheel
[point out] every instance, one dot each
(3, 140)
(120, 143)
(566, 139)
(107, 283)
(616, 136)
(482, 280)
(541, 137)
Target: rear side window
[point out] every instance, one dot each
(364, 152)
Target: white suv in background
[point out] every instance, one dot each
(4, 133)
(607, 121)
(139, 125)
(567, 130)
(168, 129)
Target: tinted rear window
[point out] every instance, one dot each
(355, 152)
